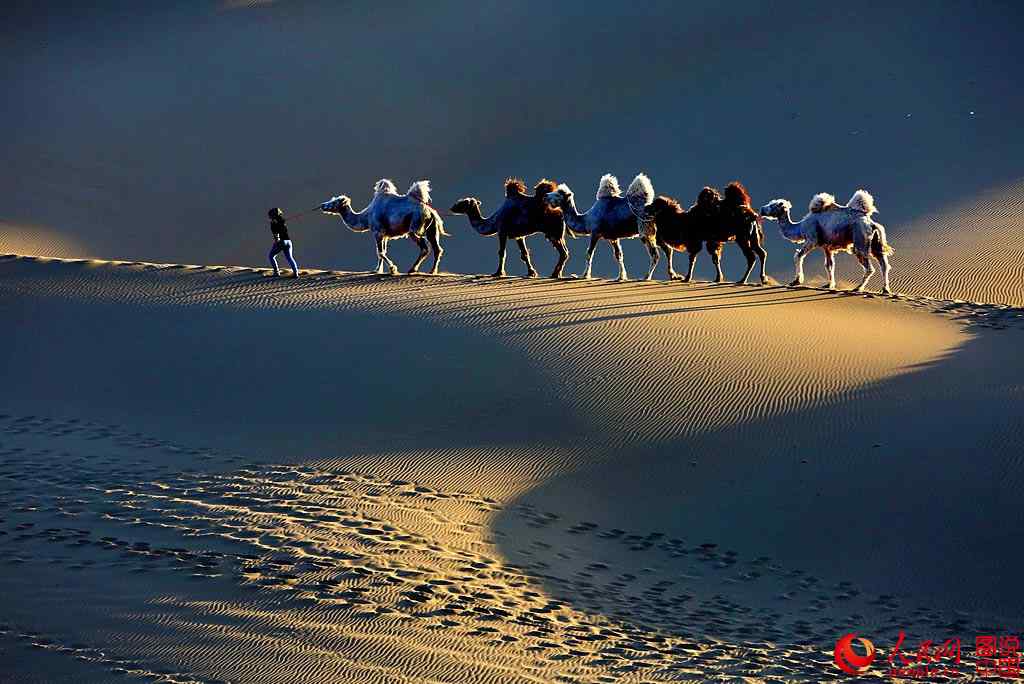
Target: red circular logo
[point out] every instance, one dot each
(848, 660)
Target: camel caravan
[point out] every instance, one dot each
(660, 222)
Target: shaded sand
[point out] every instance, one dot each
(213, 475)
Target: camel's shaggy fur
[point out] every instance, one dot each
(612, 217)
(608, 187)
(420, 190)
(862, 201)
(835, 228)
(390, 215)
(520, 216)
(822, 202)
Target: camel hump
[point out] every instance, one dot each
(515, 187)
(640, 192)
(544, 186)
(821, 202)
(639, 195)
(608, 187)
(862, 201)
(385, 185)
(420, 190)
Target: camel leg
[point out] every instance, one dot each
(693, 254)
(617, 249)
(652, 249)
(392, 268)
(594, 239)
(422, 244)
(381, 242)
(434, 240)
(798, 261)
(715, 250)
(869, 270)
(883, 260)
(884, 263)
(563, 256)
(672, 275)
(830, 268)
(762, 256)
(749, 254)
(502, 248)
(524, 254)
(435, 244)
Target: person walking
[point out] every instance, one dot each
(282, 241)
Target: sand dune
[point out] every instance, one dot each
(498, 481)
(19, 238)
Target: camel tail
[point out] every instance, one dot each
(433, 218)
(420, 190)
(862, 201)
(879, 245)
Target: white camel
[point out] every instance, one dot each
(390, 215)
(835, 228)
(612, 217)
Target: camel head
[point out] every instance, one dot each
(336, 205)
(561, 196)
(465, 205)
(777, 208)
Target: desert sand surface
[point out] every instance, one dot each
(464, 479)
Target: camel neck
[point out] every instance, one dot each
(354, 219)
(572, 215)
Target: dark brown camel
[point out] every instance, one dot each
(712, 221)
(520, 216)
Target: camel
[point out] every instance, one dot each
(676, 232)
(712, 221)
(389, 216)
(520, 216)
(835, 228)
(739, 223)
(612, 217)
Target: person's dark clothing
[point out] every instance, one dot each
(280, 229)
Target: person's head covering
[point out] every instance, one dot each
(276, 214)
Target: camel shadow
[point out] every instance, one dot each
(632, 315)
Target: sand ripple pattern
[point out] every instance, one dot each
(970, 251)
(343, 576)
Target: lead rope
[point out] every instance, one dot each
(303, 213)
